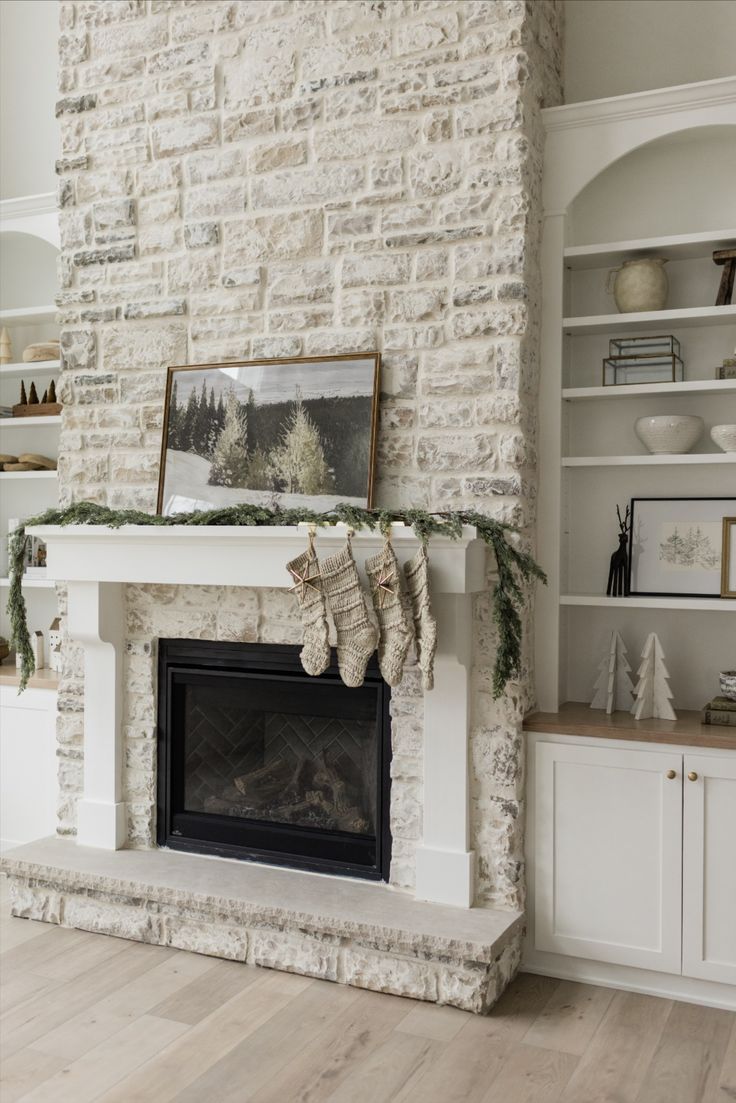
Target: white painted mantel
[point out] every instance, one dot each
(96, 562)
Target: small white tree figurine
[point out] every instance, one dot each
(653, 694)
(6, 349)
(613, 688)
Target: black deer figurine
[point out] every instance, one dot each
(618, 574)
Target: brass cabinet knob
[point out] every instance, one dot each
(692, 776)
(671, 774)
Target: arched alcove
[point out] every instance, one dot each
(663, 187)
(27, 271)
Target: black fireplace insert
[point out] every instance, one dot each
(258, 760)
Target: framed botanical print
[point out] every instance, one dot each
(288, 433)
(676, 546)
(728, 558)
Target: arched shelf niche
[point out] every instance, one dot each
(28, 276)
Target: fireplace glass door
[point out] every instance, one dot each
(258, 760)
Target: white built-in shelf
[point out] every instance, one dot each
(35, 367)
(28, 422)
(6, 475)
(660, 320)
(673, 247)
(28, 315)
(650, 461)
(31, 583)
(641, 390)
(699, 604)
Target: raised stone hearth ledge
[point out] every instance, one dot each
(366, 935)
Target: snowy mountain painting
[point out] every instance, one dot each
(286, 433)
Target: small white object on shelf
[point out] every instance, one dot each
(613, 688)
(669, 434)
(55, 645)
(6, 348)
(653, 694)
(724, 436)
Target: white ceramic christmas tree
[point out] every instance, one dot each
(6, 349)
(653, 694)
(613, 688)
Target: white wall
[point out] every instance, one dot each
(29, 31)
(618, 46)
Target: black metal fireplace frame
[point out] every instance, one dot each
(305, 848)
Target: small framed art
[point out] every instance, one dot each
(728, 558)
(288, 433)
(677, 546)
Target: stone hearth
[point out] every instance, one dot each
(352, 932)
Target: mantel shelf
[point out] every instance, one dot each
(238, 555)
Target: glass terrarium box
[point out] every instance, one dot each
(642, 360)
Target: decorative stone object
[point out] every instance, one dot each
(669, 434)
(727, 679)
(639, 285)
(724, 436)
(42, 350)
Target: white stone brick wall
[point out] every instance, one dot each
(287, 177)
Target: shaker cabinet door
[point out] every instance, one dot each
(608, 852)
(709, 869)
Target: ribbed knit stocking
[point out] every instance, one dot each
(425, 626)
(356, 635)
(395, 634)
(304, 570)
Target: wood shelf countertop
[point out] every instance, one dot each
(577, 718)
(42, 679)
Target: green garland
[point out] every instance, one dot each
(515, 568)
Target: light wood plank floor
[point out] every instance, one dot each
(86, 1017)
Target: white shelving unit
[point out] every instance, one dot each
(25, 224)
(590, 458)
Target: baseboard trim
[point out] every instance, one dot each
(665, 985)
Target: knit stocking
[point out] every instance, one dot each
(395, 634)
(315, 654)
(356, 635)
(425, 626)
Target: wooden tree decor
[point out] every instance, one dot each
(653, 694)
(613, 688)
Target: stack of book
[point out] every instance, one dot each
(721, 710)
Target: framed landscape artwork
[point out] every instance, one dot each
(277, 433)
(677, 546)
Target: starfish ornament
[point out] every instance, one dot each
(383, 585)
(302, 581)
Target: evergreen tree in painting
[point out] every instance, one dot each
(260, 473)
(298, 461)
(174, 419)
(230, 457)
(213, 430)
(188, 422)
(200, 443)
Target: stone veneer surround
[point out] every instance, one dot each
(276, 178)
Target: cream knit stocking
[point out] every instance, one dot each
(356, 635)
(304, 570)
(425, 626)
(395, 634)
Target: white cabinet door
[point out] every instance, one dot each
(709, 869)
(28, 766)
(607, 854)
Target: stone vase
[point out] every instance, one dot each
(639, 285)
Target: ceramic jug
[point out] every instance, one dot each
(639, 285)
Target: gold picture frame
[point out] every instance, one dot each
(274, 432)
(728, 558)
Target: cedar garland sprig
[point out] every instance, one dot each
(516, 568)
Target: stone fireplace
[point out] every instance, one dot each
(257, 760)
(270, 179)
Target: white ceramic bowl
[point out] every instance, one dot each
(725, 437)
(669, 434)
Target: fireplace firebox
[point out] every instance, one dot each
(259, 761)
